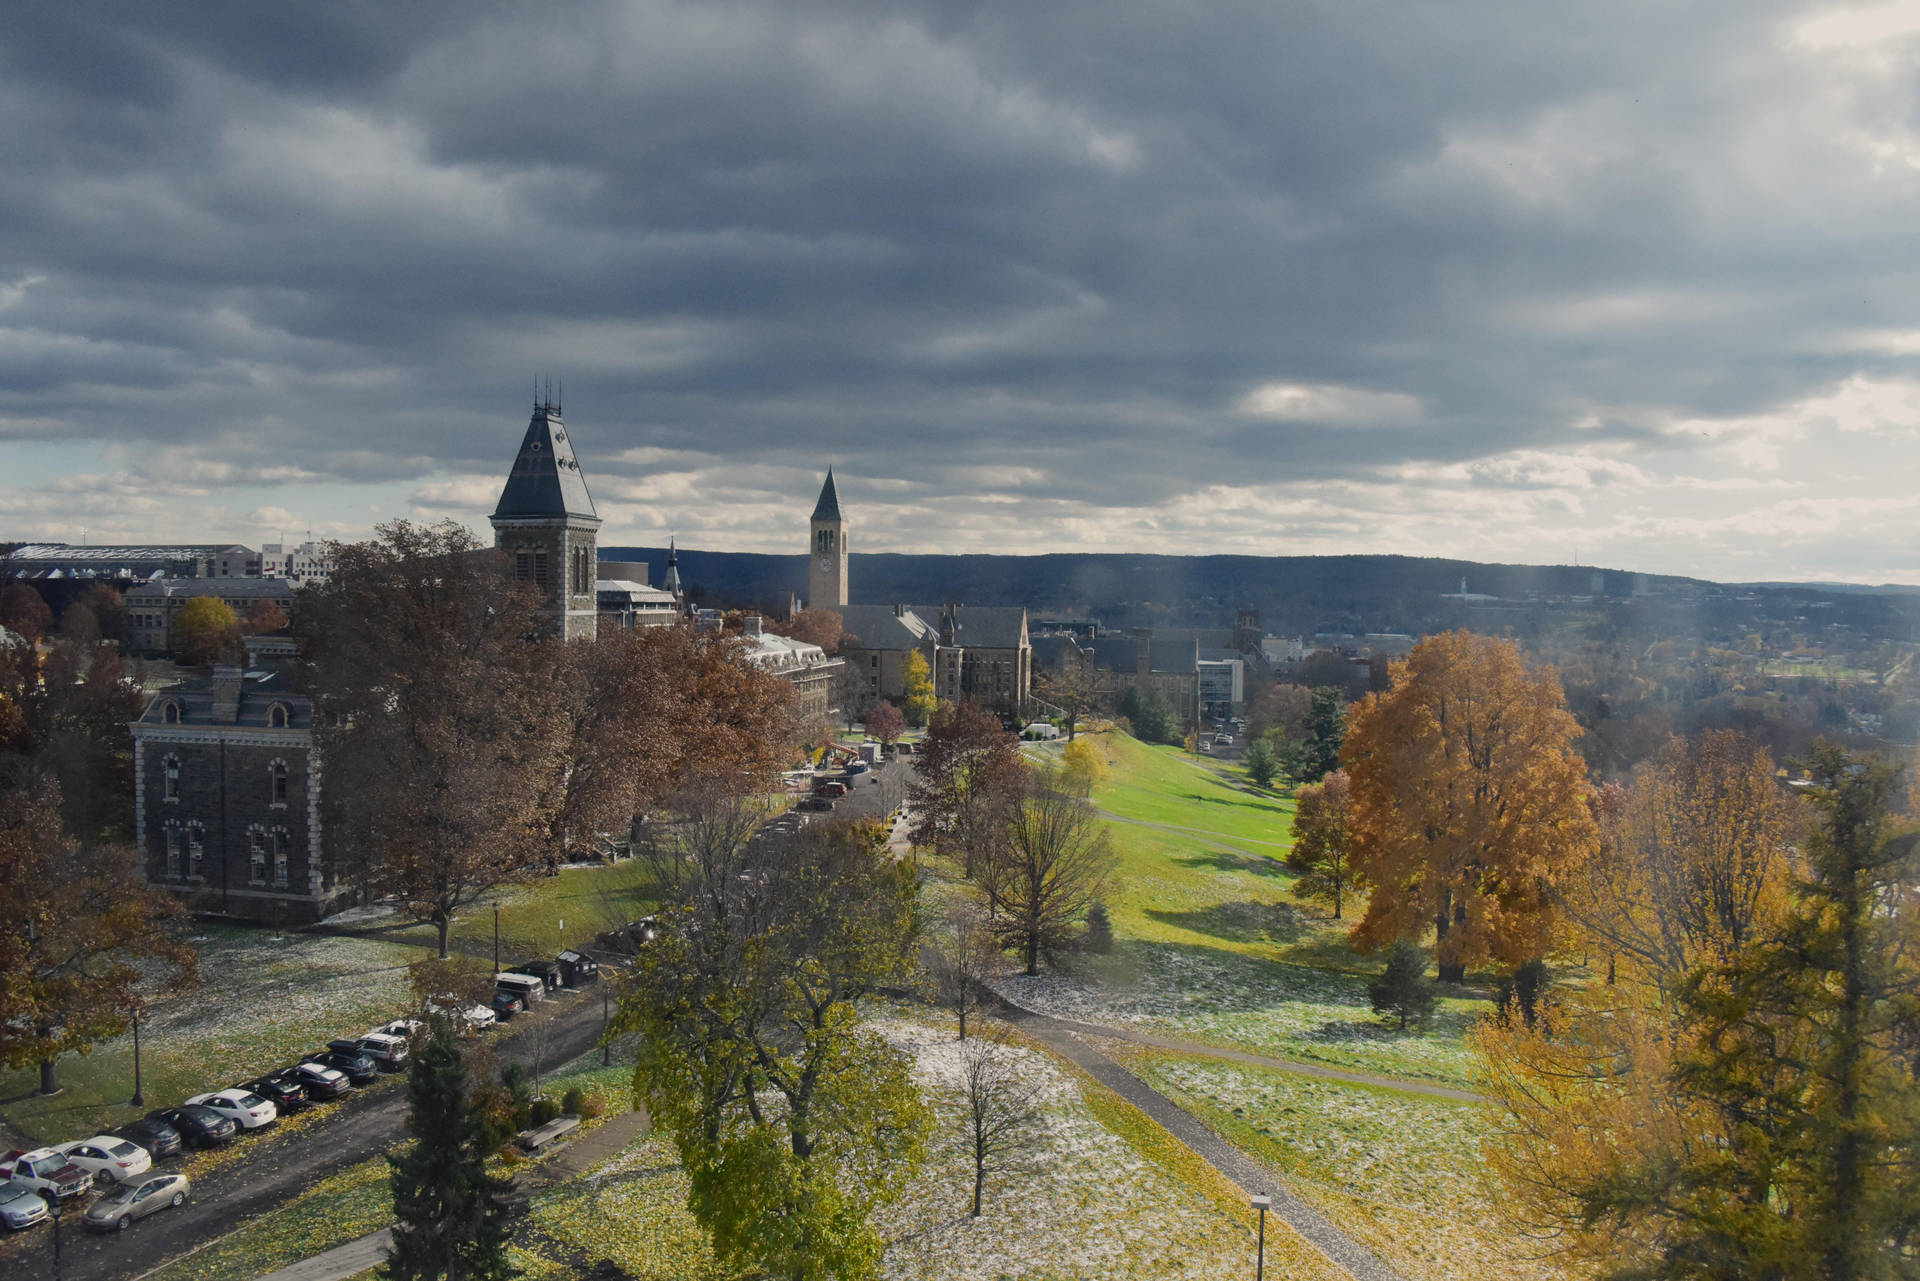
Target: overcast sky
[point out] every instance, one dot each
(1635, 284)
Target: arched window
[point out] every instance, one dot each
(277, 782)
(277, 716)
(196, 850)
(282, 848)
(171, 774)
(175, 846)
(540, 569)
(170, 713)
(257, 855)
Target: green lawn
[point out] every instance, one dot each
(264, 1000)
(1211, 943)
(546, 914)
(1401, 1173)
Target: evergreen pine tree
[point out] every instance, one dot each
(1402, 988)
(1099, 929)
(450, 1220)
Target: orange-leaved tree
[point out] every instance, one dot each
(1469, 804)
(1323, 841)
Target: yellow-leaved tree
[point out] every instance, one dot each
(1468, 803)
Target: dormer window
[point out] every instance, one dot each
(170, 713)
(277, 716)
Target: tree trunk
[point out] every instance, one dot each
(963, 1018)
(49, 1078)
(979, 1182)
(443, 924)
(1336, 898)
(1033, 951)
(1453, 971)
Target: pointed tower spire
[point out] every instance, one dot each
(546, 523)
(828, 508)
(672, 580)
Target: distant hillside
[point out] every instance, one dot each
(1292, 593)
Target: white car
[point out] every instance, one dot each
(243, 1107)
(107, 1158)
(476, 1017)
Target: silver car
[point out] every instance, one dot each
(20, 1206)
(115, 1211)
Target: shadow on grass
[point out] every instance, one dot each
(1234, 803)
(1228, 861)
(1246, 921)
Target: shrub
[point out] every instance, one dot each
(594, 1105)
(1099, 929)
(542, 1111)
(1520, 992)
(494, 1111)
(573, 1100)
(1402, 987)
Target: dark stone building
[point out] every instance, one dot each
(227, 798)
(546, 523)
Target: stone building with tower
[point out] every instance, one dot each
(827, 559)
(546, 524)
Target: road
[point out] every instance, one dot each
(357, 1128)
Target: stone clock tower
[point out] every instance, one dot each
(827, 558)
(546, 524)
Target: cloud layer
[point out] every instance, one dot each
(1496, 280)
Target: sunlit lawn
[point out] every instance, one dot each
(1402, 1174)
(1159, 784)
(548, 913)
(264, 1000)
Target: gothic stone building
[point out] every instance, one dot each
(227, 798)
(546, 523)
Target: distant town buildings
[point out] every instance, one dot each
(128, 562)
(151, 607)
(306, 562)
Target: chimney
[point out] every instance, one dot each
(227, 680)
(751, 625)
(899, 611)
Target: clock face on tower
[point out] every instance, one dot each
(826, 564)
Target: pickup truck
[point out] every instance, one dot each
(45, 1171)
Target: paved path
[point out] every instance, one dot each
(339, 1263)
(1250, 1175)
(576, 1158)
(1297, 1067)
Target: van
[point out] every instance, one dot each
(388, 1052)
(546, 971)
(528, 989)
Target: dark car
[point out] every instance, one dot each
(200, 1126)
(360, 1069)
(286, 1095)
(505, 1006)
(157, 1137)
(824, 804)
(546, 971)
(319, 1081)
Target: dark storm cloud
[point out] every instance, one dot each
(1115, 255)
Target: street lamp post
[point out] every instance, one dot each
(606, 1022)
(496, 940)
(1262, 1204)
(139, 1096)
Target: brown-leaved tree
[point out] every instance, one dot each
(1469, 803)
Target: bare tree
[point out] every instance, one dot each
(1052, 866)
(1004, 1118)
(962, 956)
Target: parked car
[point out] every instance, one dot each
(529, 988)
(45, 1171)
(107, 1159)
(388, 1052)
(473, 1018)
(318, 1080)
(243, 1107)
(857, 767)
(505, 1005)
(546, 971)
(200, 1127)
(405, 1029)
(359, 1068)
(819, 804)
(20, 1206)
(157, 1137)
(829, 787)
(117, 1211)
(286, 1094)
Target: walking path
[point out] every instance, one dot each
(1297, 1067)
(576, 1158)
(1250, 1175)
